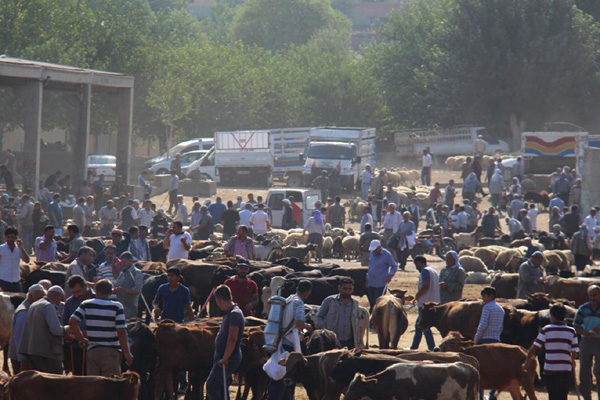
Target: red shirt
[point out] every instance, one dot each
(296, 211)
(242, 292)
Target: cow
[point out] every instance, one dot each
(197, 275)
(157, 250)
(56, 277)
(501, 365)
(322, 288)
(142, 345)
(301, 252)
(403, 381)
(7, 310)
(358, 274)
(312, 371)
(151, 285)
(39, 385)
(462, 316)
(570, 289)
(151, 267)
(389, 320)
(322, 340)
(253, 358)
(505, 285)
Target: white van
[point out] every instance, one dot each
(182, 148)
(305, 198)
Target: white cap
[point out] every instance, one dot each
(286, 201)
(374, 245)
(36, 288)
(136, 201)
(56, 289)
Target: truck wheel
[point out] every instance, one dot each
(294, 180)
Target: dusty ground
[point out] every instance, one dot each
(406, 280)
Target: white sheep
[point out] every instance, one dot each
(350, 245)
(472, 264)
(298, 237)
(465, 240)
(487, 255)
(327, 246)
(478, 278)
(465, 252)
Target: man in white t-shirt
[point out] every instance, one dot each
(426, 162)
(429, 290)
(177, 242)
(260, 221)
(245, 215)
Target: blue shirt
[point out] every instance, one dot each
(380, 267)
(217, 210)
(587, 319)
(490, 323)
(173, 303)
(556, 202)
(54, 208)
(71, 305)
(233, 317)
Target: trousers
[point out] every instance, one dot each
(214, 383)
(588, 350)
(419, 335)
(426, 176)
(373, 293)
(365, 190)
(557, 386)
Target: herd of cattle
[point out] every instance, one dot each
(325, 370)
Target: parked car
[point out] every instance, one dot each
(164, 167)
(99, 164)
(182, 148)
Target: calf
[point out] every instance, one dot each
(501, 365)
(456, 381)
(570, 289)
(322, 340)
(505, 285)
(312, 371)
(301, 252)
(39, 385)
(389, 320)
(143, 348)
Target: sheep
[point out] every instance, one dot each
(350, 245)
(295, 230)
(487, 255)
(569, 256)
(466, 240)
(504, 258)
(338, 232)
(265, 248)
(327, 246)
(478, 278)
(556, 261)
(465, 252)
(298, 237)
(472, 264)
(393, 178)
(281, 233)
(356, 208)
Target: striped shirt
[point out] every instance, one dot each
(490, 323)
(103, 318)
(559, 341)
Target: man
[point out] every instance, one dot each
(435, 194)
(428, 291)
(287, 220)
(562, 188)
(98, 189)
(471, 186)
(118, 188)
(80, 266)
(80, 292)
(363, 245)
(18, 361)
(382, 268)
(173, 187)
(195, 218)
(251, 199)
(335, 182)
(141, 244)
(177, 242)
(42, 339)
(143, 183)
(106, 332)
(260, 221)
(466, 168)
(406, 239)
(241, 245)
(366, 177)
(570, 221)
(590, 222)
(245, 216)
(228, 353)
(107, 215)
(90, 213)
(426, 163)
(415, 212)
(339, 313)
(230, 220)
(205, 226)
(217, 209)
(581, 248)
(480, 146)
(296, 210)
(315, 226)
(378, 184)
(518, 169)
(160, 225)
(560, 344)
(129, 286)
(449, 194)
(129, 216)
(337, 214)
(576, 192)
(146, 214)
(238, 203)
(111, 268)
(322, 183)
(11, 253)
(45, 246)
(181, 213)
(531, 278)
(452, 279)
(492, 318)
(390, 224)
(525, 221)
(55, 211)
(172, 300)
(556, 201)
(243, 289)
(294, 317)
(515, 206)
(25, 220)
(79, 214)
(515, 229)
(366, 219)
(587, 324)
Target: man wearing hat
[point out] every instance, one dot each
(42, 339)
(129, 286)
(531, 278)
(382, 268)
(172, 299)
(34, 293)
(243, 289)
(160, 225)
(322, 183)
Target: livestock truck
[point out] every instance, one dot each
(348, 150)
(544, 152)
(445, 141)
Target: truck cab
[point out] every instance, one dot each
(204, 168)
(305, 198)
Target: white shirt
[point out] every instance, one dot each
(433, 292)
(107, 214)
(366, 177)
(146, 217)
(79, 217)
(245, 216)
(532, 213)
(9, 264)
(176, 249)
(392, 221)
(182, 214)
(174, 182)
(259, 222)
(590, 222)
(426, 160)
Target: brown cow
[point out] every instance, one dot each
(461, 316)
(152, 267)
(313, 371)
(38, 385)
(501, 365)
(389, 320)
(570, 289)
(505, 285)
